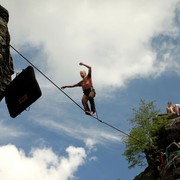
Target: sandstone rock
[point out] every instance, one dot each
(6, 62)
(169, 136)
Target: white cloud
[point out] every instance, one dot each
(90, 134)
(7, 132)
(93, 158)
(90, 143)
(41, 164)
(113, 36)
(76, 158)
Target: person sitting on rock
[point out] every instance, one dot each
(169, 108)
(176, 109)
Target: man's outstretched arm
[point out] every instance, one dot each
(70, 86)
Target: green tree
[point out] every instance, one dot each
(143, 135)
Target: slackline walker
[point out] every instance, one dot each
(88, 90)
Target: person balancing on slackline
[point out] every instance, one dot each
(88, 90)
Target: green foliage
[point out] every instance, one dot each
(143, 135)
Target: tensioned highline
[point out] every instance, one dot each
(115, 128)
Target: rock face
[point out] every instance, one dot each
(6, 62)
(166, 165)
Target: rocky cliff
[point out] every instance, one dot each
(166, 164)
(6, 62)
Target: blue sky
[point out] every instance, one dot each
(133, 48)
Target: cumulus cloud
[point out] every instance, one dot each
(41, 164)
(90, 143)
(113, 36)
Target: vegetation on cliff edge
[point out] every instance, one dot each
(143, 135)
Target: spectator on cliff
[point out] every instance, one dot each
(176, 109)
(169, 108)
